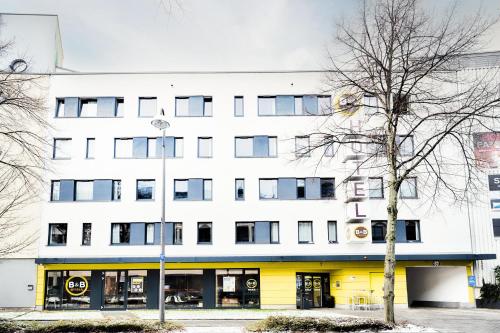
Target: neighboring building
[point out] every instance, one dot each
(36, 40)
(249, 226)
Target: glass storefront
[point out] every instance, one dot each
(114, 289)
(237, 288)
(67, 290)
(137, 286)
(184, 288)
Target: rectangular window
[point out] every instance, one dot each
(86, 234)
(288, 105)
(84, 190)
(376, 188)
(120, 233)
(256, 146)
(285, 105)
(245, 232)
(204, 147)
(193, 106)
(120, 107)
(327, 188)
(302, 146)
(379, 230)
(124, 148)
(145, 189)
(180, 189)
(496, 227)
(207, 189)
(275, 232)
(150, 233)
(405, 145)
(239, 189)
(238, 106)
(90, 148)
(268, 188)
(267, 106)
(412, 229)
(305, 232)
(332, 231)
(117, 190)
(55, 190)
(58, 233)
(204, 232)
(88, 108)
(301, 188)
(408, 188)
(62, 149)
(177, 240)
(60, 112)
(147, 106)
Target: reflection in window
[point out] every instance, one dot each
(145, 189)
(184, 288)
(268, 188)
(58, 233)
(237, 288)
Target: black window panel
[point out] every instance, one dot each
(496, 227)
(244, 232)
(58, 233)
(327, 187)
(204, 232)
(412, 231)
(301, 188)
(379, 230)
(86, 234)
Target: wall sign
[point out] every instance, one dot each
(229, 284)
(471, 279)
(494, 182)
(360, 232)
(76, 285)
(137, 284)
(251, 284)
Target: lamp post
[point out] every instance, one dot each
(161, 123)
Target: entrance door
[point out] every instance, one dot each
(114, 289)
(311, 290)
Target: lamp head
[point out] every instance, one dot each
(160, 121)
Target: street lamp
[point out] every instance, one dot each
(161, 123)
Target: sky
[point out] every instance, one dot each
(144, 35)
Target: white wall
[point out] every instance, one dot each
(443, 231)
(437, 284)
(15, 276)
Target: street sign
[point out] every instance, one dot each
(162, 257)
(494, 182)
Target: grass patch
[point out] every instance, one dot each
(310, 324)
(86, 326)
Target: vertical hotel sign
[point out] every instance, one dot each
(356, 181)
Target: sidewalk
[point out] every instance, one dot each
(192, 314)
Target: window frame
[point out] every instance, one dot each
(152, 192)
(49, 240)
(416, 189)
(336, 231)
(83, 234)
(200, 138)
(198, 233)
(140, 98)
(54, 148)
(381, 179)
(298, 232)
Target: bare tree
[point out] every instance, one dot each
(22, 152)
(406, 105)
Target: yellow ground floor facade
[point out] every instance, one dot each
(262, 284)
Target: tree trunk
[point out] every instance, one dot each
(390, 254)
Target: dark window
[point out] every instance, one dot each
(120, 233)
(239, 189)
(245, 232)
(86, 233)
(332, 231)
(145, 189)
(496, 227)
(301, 188)
(379, 230)
(327, 187)
(412, 231)
(204, 232)
(58, 233)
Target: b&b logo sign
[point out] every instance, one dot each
(76, 285)
(361, 232)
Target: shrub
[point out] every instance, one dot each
(310, 324)
(490, 293)
(85, 326)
